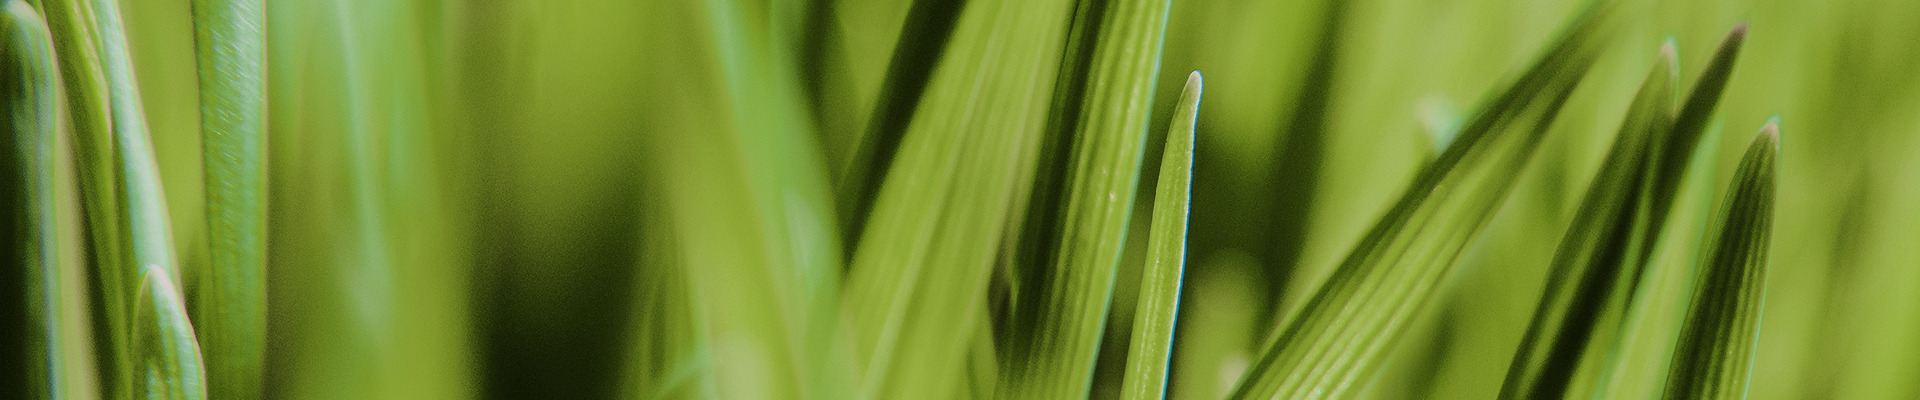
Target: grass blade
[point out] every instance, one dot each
(1370, 298)
(169, 357)
(1150, 350)
(748, 203)
(923, 40)
(1584, 285)
(83, 78)
(969, 152)
(1715, 357)
(230, 300)
(1108, 144)
(30, 270)
(126, 211)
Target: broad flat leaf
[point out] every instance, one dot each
(168, 363)
(1714, 359)
(964, 166)
(1151, 349)
(29, 215)
(1336, 341)
(230, 300)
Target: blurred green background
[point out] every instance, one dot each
(494, 243)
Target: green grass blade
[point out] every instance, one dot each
(965, 163)
(748, 202)
(169, 356)
(1638, 366)
(1338, 338)
(1102, 179)
(923, 40)
(29, 101)
(1584, 283)
(126, 211)
(1670, 158)
(83, 78)
(150, 240)
(1151, 349)
(1715, 357)
(230, 300)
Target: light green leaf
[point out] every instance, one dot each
(230, 300)
(748, 202)
(1109, 126)
(169, 366)
(1336, 341)
(923, 40)
(30, 107)
(1714, 359)
(1150, 351)
(949, 201)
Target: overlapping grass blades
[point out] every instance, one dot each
(168, 365)
(30, 290)
(230, 299)
(1150, 351)
(1594, 253)
(1714, 357)
(923, 40)
(963, 168)
(1602, 260)
(1107, 144)
(748, 203)
(1337, 339)
(124, 207)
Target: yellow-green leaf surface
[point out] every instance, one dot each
(747, 200)
(230, 300)
(1714, 358)
(1336, 341)
(964, 166)
(30, 267)
(1585, 280)
(168, 365)
(371, 291)
(1150, 351)
(922, 42)
(1108, 140)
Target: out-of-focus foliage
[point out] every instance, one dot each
(668, 199)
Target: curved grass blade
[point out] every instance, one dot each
(1338, 338)
(1102, 179)
(1150, 351)
(125, 209)
(169, 366)
(30, 289)
(965, 163)
(230, 300)
(1715, 356)
(83, 78)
